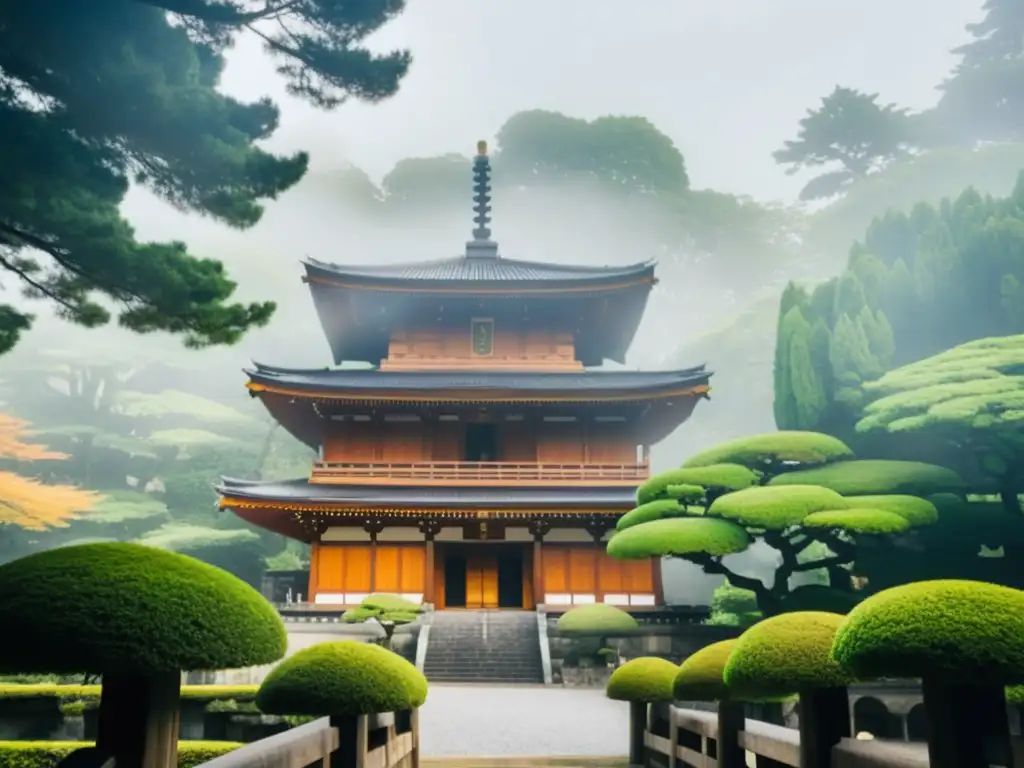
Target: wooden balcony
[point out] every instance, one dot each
(479, 473)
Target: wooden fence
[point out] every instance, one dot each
(678, 738)
(368, 741)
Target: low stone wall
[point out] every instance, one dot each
(674, 642)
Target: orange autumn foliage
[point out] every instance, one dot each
(25, 502)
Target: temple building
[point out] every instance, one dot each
(468, 455)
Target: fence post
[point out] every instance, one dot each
(731, 720)
(637, 729)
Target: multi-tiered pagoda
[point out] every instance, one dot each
(478, 462)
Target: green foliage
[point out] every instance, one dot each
(958, 631)
(237, 551)
(342, 678)
(646, 679)
(916, 285)
(913, 509)
(91, 693)
(733, 607)
(652, 510)
(776, 508)
(390, 603)
(717, 477)
(786, 654)
(599, 618)
(765, 452)
(858, 520)
(818, 597)
(129, 607)
(48, 754)
(155, 67)
(851, 133)
(700, 676)
(679, 536)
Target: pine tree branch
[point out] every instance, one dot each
(36, 285)
(221, 12)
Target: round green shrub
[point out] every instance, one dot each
(388, 603)
(646, 679)
(818, 597)
(958, 631)
(876, 476)
(775, 509)
(685, 494)
(784, 655)
(599, 618)
(729, 477)
(700, 676)
(858, 520)
(652, 510)
(1015, 694)
(342, 678)
(759, 451)
(131, 608)
(914, 509)
(678, 536)
(360, 614)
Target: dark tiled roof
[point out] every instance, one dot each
(291, 491)
(479, 270)
(589, 382)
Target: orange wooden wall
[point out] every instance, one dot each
(441, 441)
(589, 570)
(347, 568)
(431, 346)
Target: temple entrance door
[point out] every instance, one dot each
(481, 443)
(482, 581)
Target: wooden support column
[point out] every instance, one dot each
(429, 529)
(659, 587)
(538, 528)
(597, 527)
(373, 527)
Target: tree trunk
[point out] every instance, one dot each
(824, 720)
(637, 727)
(731, 720)
(139, 719)
(968, 725)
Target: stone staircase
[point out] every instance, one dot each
(484, 647)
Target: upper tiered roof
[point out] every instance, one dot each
(359, 306)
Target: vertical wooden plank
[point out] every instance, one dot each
(490, 581)
(415, 717)
(330, 568)
(387, 569)
(556, 570)
(526, 553)
(538, 572)
(582, 578)
(357, 568)
(412, 565)
(474, 582)
(314, 567)
(610, 575)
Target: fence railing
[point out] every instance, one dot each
(389, 740)
(477, 473)
(680, 738)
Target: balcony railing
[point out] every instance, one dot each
(478, 473)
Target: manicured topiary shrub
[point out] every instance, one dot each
(679, 536)
(91, 693)
(965, 640)
(913, 509)
(876, 476)
(390, 603)
(858, 520)
(126, 608)
(47, 754)
(719, 477)
(342, 678)
(818, 597)
(647, 679)
(959, 631)
(768, 450)
(784, 655)
(776, 509)
(700, 676)
(599, 618)
(652, 510)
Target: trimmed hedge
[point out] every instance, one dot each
(877, 476)
(858, 520)
(729, 477)
(131, 608)
(47, 754)
(346, 677)
(784, 655)
(952, 630)
(599, 618)
(648, 679)
(389, 603)
(678, 536)
(776, 508)
(759, 451)
(68, 693)
(916, 510)
(700, 676)
(658, 509)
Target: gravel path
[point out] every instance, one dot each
(484, 721)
